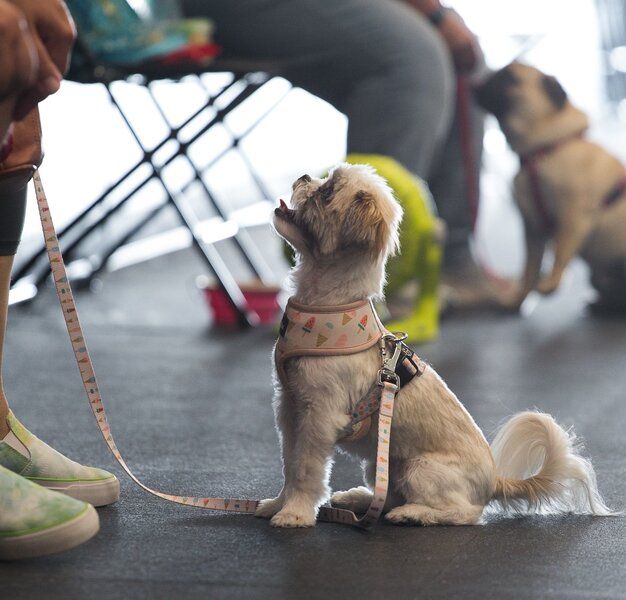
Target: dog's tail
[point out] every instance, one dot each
(540, 469)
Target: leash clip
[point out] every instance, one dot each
(388, 376)
(387, 372)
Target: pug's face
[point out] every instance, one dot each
(350, 211)
(521, 95)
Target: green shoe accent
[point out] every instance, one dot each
(421, 247)
(422, 325)
(36, 521)
(47, 467)
(11, 459)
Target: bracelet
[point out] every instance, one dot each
(437, 16)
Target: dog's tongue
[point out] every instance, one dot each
(283, 206)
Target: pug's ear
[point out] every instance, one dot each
(554, 90)
(364, 225)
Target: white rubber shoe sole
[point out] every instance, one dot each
(55, 539)
(96, 493)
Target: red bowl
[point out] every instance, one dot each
(260, 299)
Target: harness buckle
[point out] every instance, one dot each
(387, 376)
(387, 372)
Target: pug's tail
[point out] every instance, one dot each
(540, 469)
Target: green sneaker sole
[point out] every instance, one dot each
(53, 539)
(97, 493)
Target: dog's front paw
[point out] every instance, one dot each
(290, 519)
(268, 508)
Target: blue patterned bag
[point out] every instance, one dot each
(118, 32)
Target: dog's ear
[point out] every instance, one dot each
(364, 225)
(554, 90)
(326, 191)
(493, 96)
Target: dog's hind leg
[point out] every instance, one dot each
(437, 490)
(420, 514)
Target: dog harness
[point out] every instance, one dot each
(386, 387)
(529, 162)
(307, 330)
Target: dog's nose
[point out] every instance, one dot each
(305, 178)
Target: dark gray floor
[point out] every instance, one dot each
(191, 412)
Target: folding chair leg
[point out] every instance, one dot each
(213, 260)
(125, 239)
(258, 181)
(39, 254)
(244, 242)
(208, 252)
(69, 249)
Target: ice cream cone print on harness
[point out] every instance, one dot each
(323, 325)
(308, 326)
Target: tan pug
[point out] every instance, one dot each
(570, 191)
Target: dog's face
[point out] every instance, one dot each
(350, 211)
(521, 96)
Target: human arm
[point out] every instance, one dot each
(53, 35)
(458, 37)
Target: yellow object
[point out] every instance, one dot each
(421, 252)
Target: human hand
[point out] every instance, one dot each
(18, 55)
(53, 33)
(460, 40)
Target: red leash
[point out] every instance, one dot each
(472, 182)
(471, 171)
(529, 162)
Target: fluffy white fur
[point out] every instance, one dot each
(442, 470)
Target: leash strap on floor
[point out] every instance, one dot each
(88, 376)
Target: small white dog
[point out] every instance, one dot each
(442, 470)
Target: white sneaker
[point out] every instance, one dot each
(35, 521)
(25, 454)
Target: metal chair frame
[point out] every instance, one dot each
(249, 78)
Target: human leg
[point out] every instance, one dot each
(21, 451)
(12, 208)
(378, 61)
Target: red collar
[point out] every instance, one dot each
(529, 162)
(533, 155)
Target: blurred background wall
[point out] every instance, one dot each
(87, 145)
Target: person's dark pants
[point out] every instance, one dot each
(380, 62)
(12, 210)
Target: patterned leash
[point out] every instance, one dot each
(88, 376)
